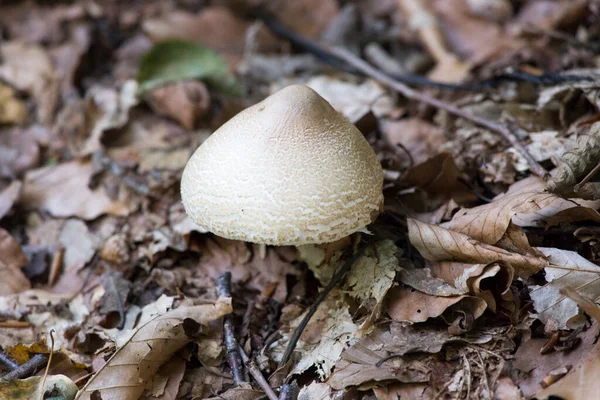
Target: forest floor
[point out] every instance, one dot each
(479, 279)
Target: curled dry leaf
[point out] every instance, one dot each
(186, 101)
(11, 260)
(489, 222)
(149, 347)
(438, 244)
(60, 386)
(63, 191)
(471, 278)
(567, 270)
(409, 305)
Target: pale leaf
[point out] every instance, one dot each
(489, 222)
(567, 269)
(438, 244)
(132, 366)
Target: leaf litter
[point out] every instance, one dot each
(479, 280)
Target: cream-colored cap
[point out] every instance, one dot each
(289, 170)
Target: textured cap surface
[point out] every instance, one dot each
(289, 170)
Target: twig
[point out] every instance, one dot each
(257, 375)
(588, 177)
(231, 344)
(337, 278)
(8, 362)
(289, 392)
(29, 368)
(43, 392)
(412, 94)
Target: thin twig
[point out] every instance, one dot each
(289, 392)
(588, 177)
(412, 94)
(29, 368)
(231, 344)
(337, 278)
(257, 375)
(8, 362)
(43, 392)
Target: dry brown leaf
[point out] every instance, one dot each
(438, 244)
(186, 101)
(216, 27)
(63, 191)
(353, 100)
(306, 17)
(438, 175)
(12, 110)
(409, 305)
(19, 150)
(9, 196)
(567, 269)
(359, 365)
(471, 278)
(11, 260)
(533, 364)
(574, 214)
(29, 68)
(489, 222)
(551, 14)
(419, 137)
(165, 385)
(133, 365)
(405, 391)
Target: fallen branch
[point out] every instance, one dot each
(27, 369)
(256, 373)
(412, 94)
(231, 344)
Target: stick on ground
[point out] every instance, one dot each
(231, 344)
(412, 94)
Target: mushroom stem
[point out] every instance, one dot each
(337, 278)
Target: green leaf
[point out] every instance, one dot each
(175, 60)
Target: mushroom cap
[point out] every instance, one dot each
(289, 170)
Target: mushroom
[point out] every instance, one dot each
(289, 170)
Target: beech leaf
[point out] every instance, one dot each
(489, 222)
(567, 270)
(438, 244)
(133, 365)
(175, 60)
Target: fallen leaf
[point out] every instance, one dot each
(151, 345)
(338, 332)
(9, 196)
(550, 14)
(404, 391)
(13, 280)
(409, 305)
(489, 282)
(533, 366)
(438, 244)
(106, 109)
(567, 269)
(63, 191)
(185, 101)
(420, 138)
(307, 17)
(353, 100)
(174, 61)
(19, 151)
(489, 222)
(61, 387)
(12, 110)
(215, 27)
(165, 385)
(29, 68)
